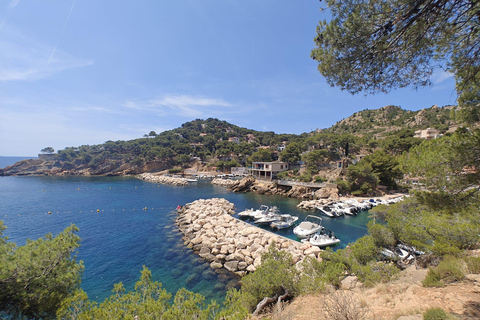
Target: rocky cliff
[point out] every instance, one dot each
(39, 167)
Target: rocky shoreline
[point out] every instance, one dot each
(149, 177)
(226, 242)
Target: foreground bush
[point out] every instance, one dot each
(450, 269)
(147, 301)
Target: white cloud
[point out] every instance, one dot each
(181, 105)
(13, 4)
(440, 75)
(22, 58)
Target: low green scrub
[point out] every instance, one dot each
(435, 314)
(174, 170)
(450, 269)
(473, 264)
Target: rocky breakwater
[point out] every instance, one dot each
(210, 230)
(223, 182)
(162, 179)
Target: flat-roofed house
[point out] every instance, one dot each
(267, 170)
(429, 133)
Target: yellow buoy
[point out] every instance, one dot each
(145, 208)
(49, 212)
(98, 210)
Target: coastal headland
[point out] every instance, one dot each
(209, 228)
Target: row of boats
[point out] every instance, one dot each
(310, 229)
(269, 216)
(352, 207)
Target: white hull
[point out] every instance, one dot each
(308, 227)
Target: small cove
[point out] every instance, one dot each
(134, 226)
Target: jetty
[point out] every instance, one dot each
(209, 228)
(174, 181)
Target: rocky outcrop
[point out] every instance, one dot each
(226, 242)
(326, 193)
(243, 185)
(149, 177)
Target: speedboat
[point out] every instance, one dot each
(285, 221)
(326, 210)
(273, 214)
(308, 227)
(323, 238)
(252, 213)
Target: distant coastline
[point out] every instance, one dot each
(8, 161)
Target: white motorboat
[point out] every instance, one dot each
(191, 180)
(326, 211)
(308, 227)
(268, 218)
(324, 238)
(273, 214)
(285, 221)
(254, 213)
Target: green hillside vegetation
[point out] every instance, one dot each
(386, 132)
(390, 128)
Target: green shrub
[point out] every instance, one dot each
(435, 314)
(319, 179)
(364, 250)
(174, 170)
(306, 177)
(473, 264)
(432, 279)
(375, 272)
(276, 274)
(381, 234)
(450, 269)
(311, 280)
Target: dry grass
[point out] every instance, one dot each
(343, 305)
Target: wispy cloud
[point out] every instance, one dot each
(13, 4)
(181, 105)
(440, 75)
(22, 58)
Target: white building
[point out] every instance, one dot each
(267, 170)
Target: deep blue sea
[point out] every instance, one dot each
(126, 223)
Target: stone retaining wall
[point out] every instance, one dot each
(162, 179)
(226, 242)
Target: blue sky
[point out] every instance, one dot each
(84, 72)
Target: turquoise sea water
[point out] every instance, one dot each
(134, 226)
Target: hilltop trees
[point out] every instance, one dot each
(47, 150)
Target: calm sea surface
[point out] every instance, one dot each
(134, 226)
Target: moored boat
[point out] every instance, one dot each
(308, 227)
(324, 238)
(254, 213)
(286, 220)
